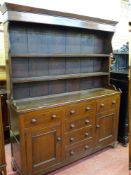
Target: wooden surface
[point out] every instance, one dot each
(5, 115)
(2, 149)
(28, 104)
(2, 73)
(67, 132)
(2, 76)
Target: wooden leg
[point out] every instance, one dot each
(4, 171)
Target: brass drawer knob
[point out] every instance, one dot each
(72, 112)
(88, 108)
(72, 153)
(53, 116)
(86, 147)
(72, 126)
(72, 139)
(97, 126)
(87, 122)
(102, 105)
(33, 120)
(113, 102)
(59, 139)
(86, 134)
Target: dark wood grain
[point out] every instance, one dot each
(2, 149)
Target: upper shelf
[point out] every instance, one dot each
(57, 55)
(58, 77)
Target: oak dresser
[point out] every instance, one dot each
(61, 104)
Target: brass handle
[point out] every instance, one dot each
(86, 147)
(102, 105)
(72, 153)
(53, 116)
(86, 134)
(88, 108)
(33, 120)
(72, 139)
(72, 126)
(72, 112)
(97, 126)
(59, 139)
(87, 121)
(113, 102)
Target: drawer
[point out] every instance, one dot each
(87, 120)
(79, 135)
(88, 107)
(79, 108)
(106, 104)
(35, 118)
(76, 151)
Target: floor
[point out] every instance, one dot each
(106, 162)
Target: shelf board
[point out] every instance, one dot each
(57, 55)
(58, 77)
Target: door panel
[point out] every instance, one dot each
(43, 147)
(105, 128)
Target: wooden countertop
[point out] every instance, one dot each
(24, 105)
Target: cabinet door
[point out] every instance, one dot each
(105, 128)
(43, 147)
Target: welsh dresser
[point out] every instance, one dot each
(61, 104)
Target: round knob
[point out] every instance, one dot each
(33, 120)
(86, 134)
(88, 108)
(72, 153)
(72, 112)
(97, 126)
(58, 139)
(72, 139)
(102, 105)
(53, 116)
(72, 126)
(87, 121)
(86, 147)
(113, 102)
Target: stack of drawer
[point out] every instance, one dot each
(79, 129)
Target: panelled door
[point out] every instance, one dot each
(43, 146)
(105, 128)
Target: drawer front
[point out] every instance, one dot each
(76, 151)
(106, 104)
(79, 135)
(79, 108)
(32, 119)
(78, 123)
